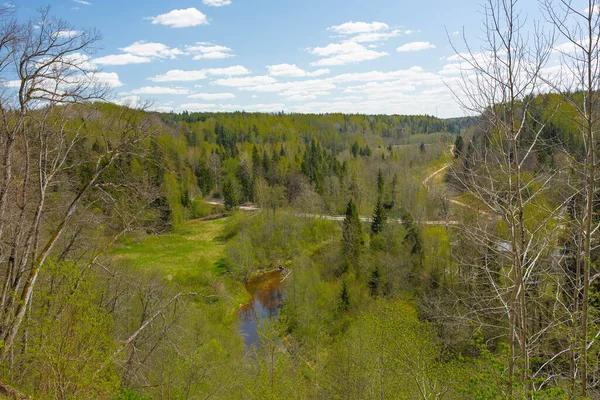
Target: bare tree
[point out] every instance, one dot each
(47, 81)
(514, 239)
(579, 81)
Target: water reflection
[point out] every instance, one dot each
(267, 292)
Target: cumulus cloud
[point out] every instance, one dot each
(160, 90)
(216, 3)
(178, 75)
(107, 78)
(292, 70)
(212, 96)
(67, 34)
(415, 46)
(209, 51)
(181, 18)
(121, 59)
(360, 39)
(246, 81)
(140, 52)
(152, 49)
(350, 28)
(272, 107)
(347, 52)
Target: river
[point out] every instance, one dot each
(268, 295)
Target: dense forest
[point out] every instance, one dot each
(148, 255)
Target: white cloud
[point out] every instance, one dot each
(216, 3)
(129, 101)
(415, 46)
(272, 107)
(350, 28)
(354, 48)
(178, 75)
(182, 18)
(121, 59)
(84, 2)
(292, 70)
(163, 109)
(245, 82)
(212, 96)
(156, 90)
(209, 51)
(266, 108)
(110, 79)
(375, 36)
(67, 34)
(152, 49)
(344, 53)
(197, 106)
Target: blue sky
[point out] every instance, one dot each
(366, 56)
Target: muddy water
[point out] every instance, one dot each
(267, 293)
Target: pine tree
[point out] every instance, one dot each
(378, 218)
(255, 161)
(229, 197)
(352, 240)
(394, 189)
(344, 300)
(375, 281)
(380, 183)
(458, 146)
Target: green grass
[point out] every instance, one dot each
(190, 256)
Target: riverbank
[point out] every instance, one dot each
(190, 257)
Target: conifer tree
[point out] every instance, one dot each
(375, 281)
(344, 300)
(458, 146)
(229, 198)
(352, 240)
(380, 183)
(378, 218)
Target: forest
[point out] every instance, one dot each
(196, 255)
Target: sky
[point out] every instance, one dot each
(309, 56)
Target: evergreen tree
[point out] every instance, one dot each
(255, 161)
(344, 300)
(394, 190)
(458, 146)
(229, 198)
(380, 183)
(378, 218)
(413, 238)
(375, 281)
(352, 240)
(355, 149)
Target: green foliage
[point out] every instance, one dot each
(352, 237)
(173, 195)
(380, 183)
(229, 196)
(344, 300)
(375, 281)
(199, 208)
(379, 218)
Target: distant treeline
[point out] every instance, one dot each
(334, 131)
